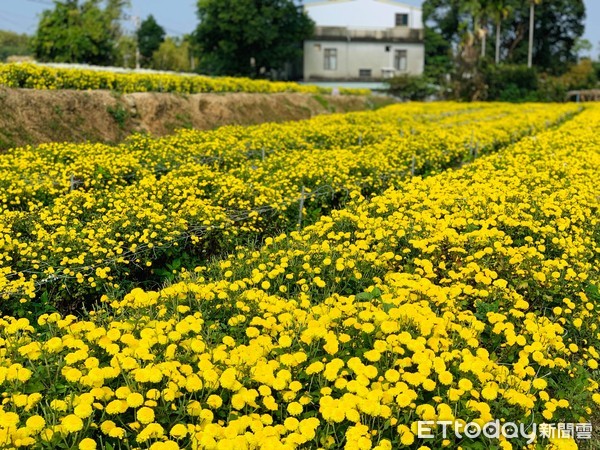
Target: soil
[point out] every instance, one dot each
(30, 116)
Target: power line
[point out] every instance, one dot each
(7, 19)
(136, 20)
(42, 2)
(15, 15)
(176, 32)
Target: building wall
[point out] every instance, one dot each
(362, 13)
(354, 55)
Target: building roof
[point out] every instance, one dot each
(356, 14)
(311, 3)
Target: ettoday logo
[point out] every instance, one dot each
(429, 429)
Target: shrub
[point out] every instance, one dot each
(511, 83)
(411, 87)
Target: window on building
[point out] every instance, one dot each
(401, 20)
(330, 59)
(401, 60)
(364, 73)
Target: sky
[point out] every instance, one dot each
(179, 16)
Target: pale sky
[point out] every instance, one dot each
(179, 16)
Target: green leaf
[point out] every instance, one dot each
(36, 386)
(364, 296)
(387, 307)
(593, 292)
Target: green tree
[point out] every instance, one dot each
(477, 12)
(150, 35)
(438, 56)
(126, 51)
(13, 44)
(75, 32)
(582, 46)
(173, 54)
(532, 4)
(410, 87)
(558, 22)
(447, 18)
(248, 37)
(499, 11)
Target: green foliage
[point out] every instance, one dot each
(13, 44)
(119, 113)
(250, 37)
(596, 66)
(510, 83)
(582, 46)
(411, 87)
(150, 36)
(558, 26)
(32, 310)
(444, 17)
(462, 26)
(323, 102)
(438, 56)
(580, 76)
(79, 33)
(559, 23)
(513, 83)
(173, 54)
(126, 47)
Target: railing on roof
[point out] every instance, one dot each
(379, 34)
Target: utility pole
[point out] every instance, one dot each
(531, 25)
(137, 23)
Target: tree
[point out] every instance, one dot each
(13, 44)
(438, 56)
(126, 51)
(150, 35)
(447, 18)
(478, 10)
(173, 54)
(560, 22)
(250, 37)
(79, 33)
(410, 87)
(532, 4)
(582, 46)
(499, 10)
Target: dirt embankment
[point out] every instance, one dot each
(34, 117)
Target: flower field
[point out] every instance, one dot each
(347, 277)
(81, 220)
(32, 76)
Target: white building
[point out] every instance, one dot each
(363, 40)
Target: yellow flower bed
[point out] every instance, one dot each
(467, 296)
(32, 76)
(80, 219)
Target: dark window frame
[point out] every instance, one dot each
(401, 55)
(330, 61)
(401, 19)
